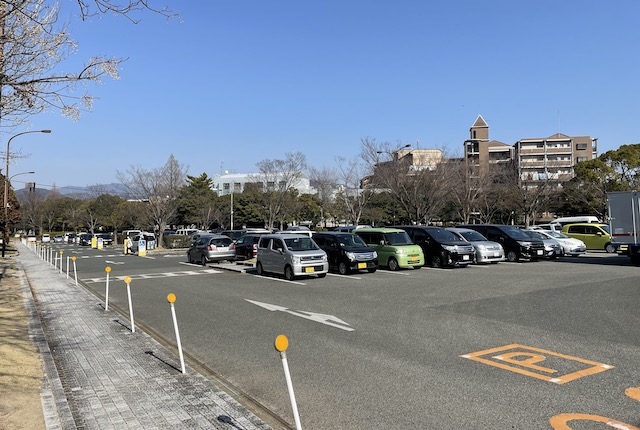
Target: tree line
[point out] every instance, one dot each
(376, 188)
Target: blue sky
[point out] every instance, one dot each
(236, 82)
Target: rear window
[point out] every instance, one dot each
(220, 241)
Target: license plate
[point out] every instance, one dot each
(362, 265)
(540, 252)
(465, 257)
(309, 270)
(496, 254)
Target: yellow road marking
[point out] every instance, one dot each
(529, 364)
(559, 422)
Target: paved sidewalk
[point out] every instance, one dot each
(99, 375)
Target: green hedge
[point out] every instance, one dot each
(172, 241)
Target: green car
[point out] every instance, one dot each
(595, 236)
(394, 247)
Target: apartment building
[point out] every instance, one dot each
(552, 158)
(546, 159)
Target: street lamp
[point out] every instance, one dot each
(5, 235)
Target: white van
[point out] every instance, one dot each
(576, 219)
(557, 223)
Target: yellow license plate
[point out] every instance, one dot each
(309, 270)
(362, 265)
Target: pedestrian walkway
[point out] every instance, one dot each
(100, 375)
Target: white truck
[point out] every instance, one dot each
(624, 215)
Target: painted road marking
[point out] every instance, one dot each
(526, 360)
(154, 275)
(329, 320)
(560, 422)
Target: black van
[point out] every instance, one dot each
(441, 248)
(517, 244)
(346, 252)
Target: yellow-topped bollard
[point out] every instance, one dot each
(281, 343)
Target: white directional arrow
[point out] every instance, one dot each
(114, 262)
(313, 316)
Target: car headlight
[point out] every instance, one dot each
(482, 247)
(296, 260)
(351, 256)
(524, 243)
(324, 258)
(400, 251)
(450, 248)
(375, 254)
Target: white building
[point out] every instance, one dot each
(235, 183)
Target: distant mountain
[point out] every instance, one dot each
(77, 191)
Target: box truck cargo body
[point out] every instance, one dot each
(624, 215)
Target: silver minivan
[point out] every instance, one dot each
(291, 255)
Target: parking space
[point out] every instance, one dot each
(476, 345)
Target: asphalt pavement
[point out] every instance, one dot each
(100, 374)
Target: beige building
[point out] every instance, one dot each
(537, 159)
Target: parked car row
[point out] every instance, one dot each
(302, 252)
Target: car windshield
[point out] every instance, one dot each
(516, 233)
(556, 235)
(300, 244)
(536, 234)
(350, 240)
(605, 228)
(398, 238)
(473, 236)
(442, 235)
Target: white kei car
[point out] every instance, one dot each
(571, 246)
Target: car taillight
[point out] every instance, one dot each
(255, 247)
(212, 247)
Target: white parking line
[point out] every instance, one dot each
(343, 276)
(279, 280)
(392, 273)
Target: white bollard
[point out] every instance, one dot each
(75, 272)
(68, 258)
(127, 280)
(171, 298)
(281, 345)
(61, 252)
(106, 289)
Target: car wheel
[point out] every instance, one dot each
(203, 260)
(288, 273)
(321, 275)
(609, 248)
(189, 260)
(259, 269)
(512, 256)
(371, 270)
(393, 264)
(343, 268)
(436, 262)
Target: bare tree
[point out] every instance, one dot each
(420, 190)
(352, 197)
(32, 46)
(158, 189)
(277, 178)
(324, 180)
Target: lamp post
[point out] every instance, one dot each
(5, 235)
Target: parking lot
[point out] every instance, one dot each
(513, 345)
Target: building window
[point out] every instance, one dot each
(579, 159)
(225, 186)
(581, 146)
